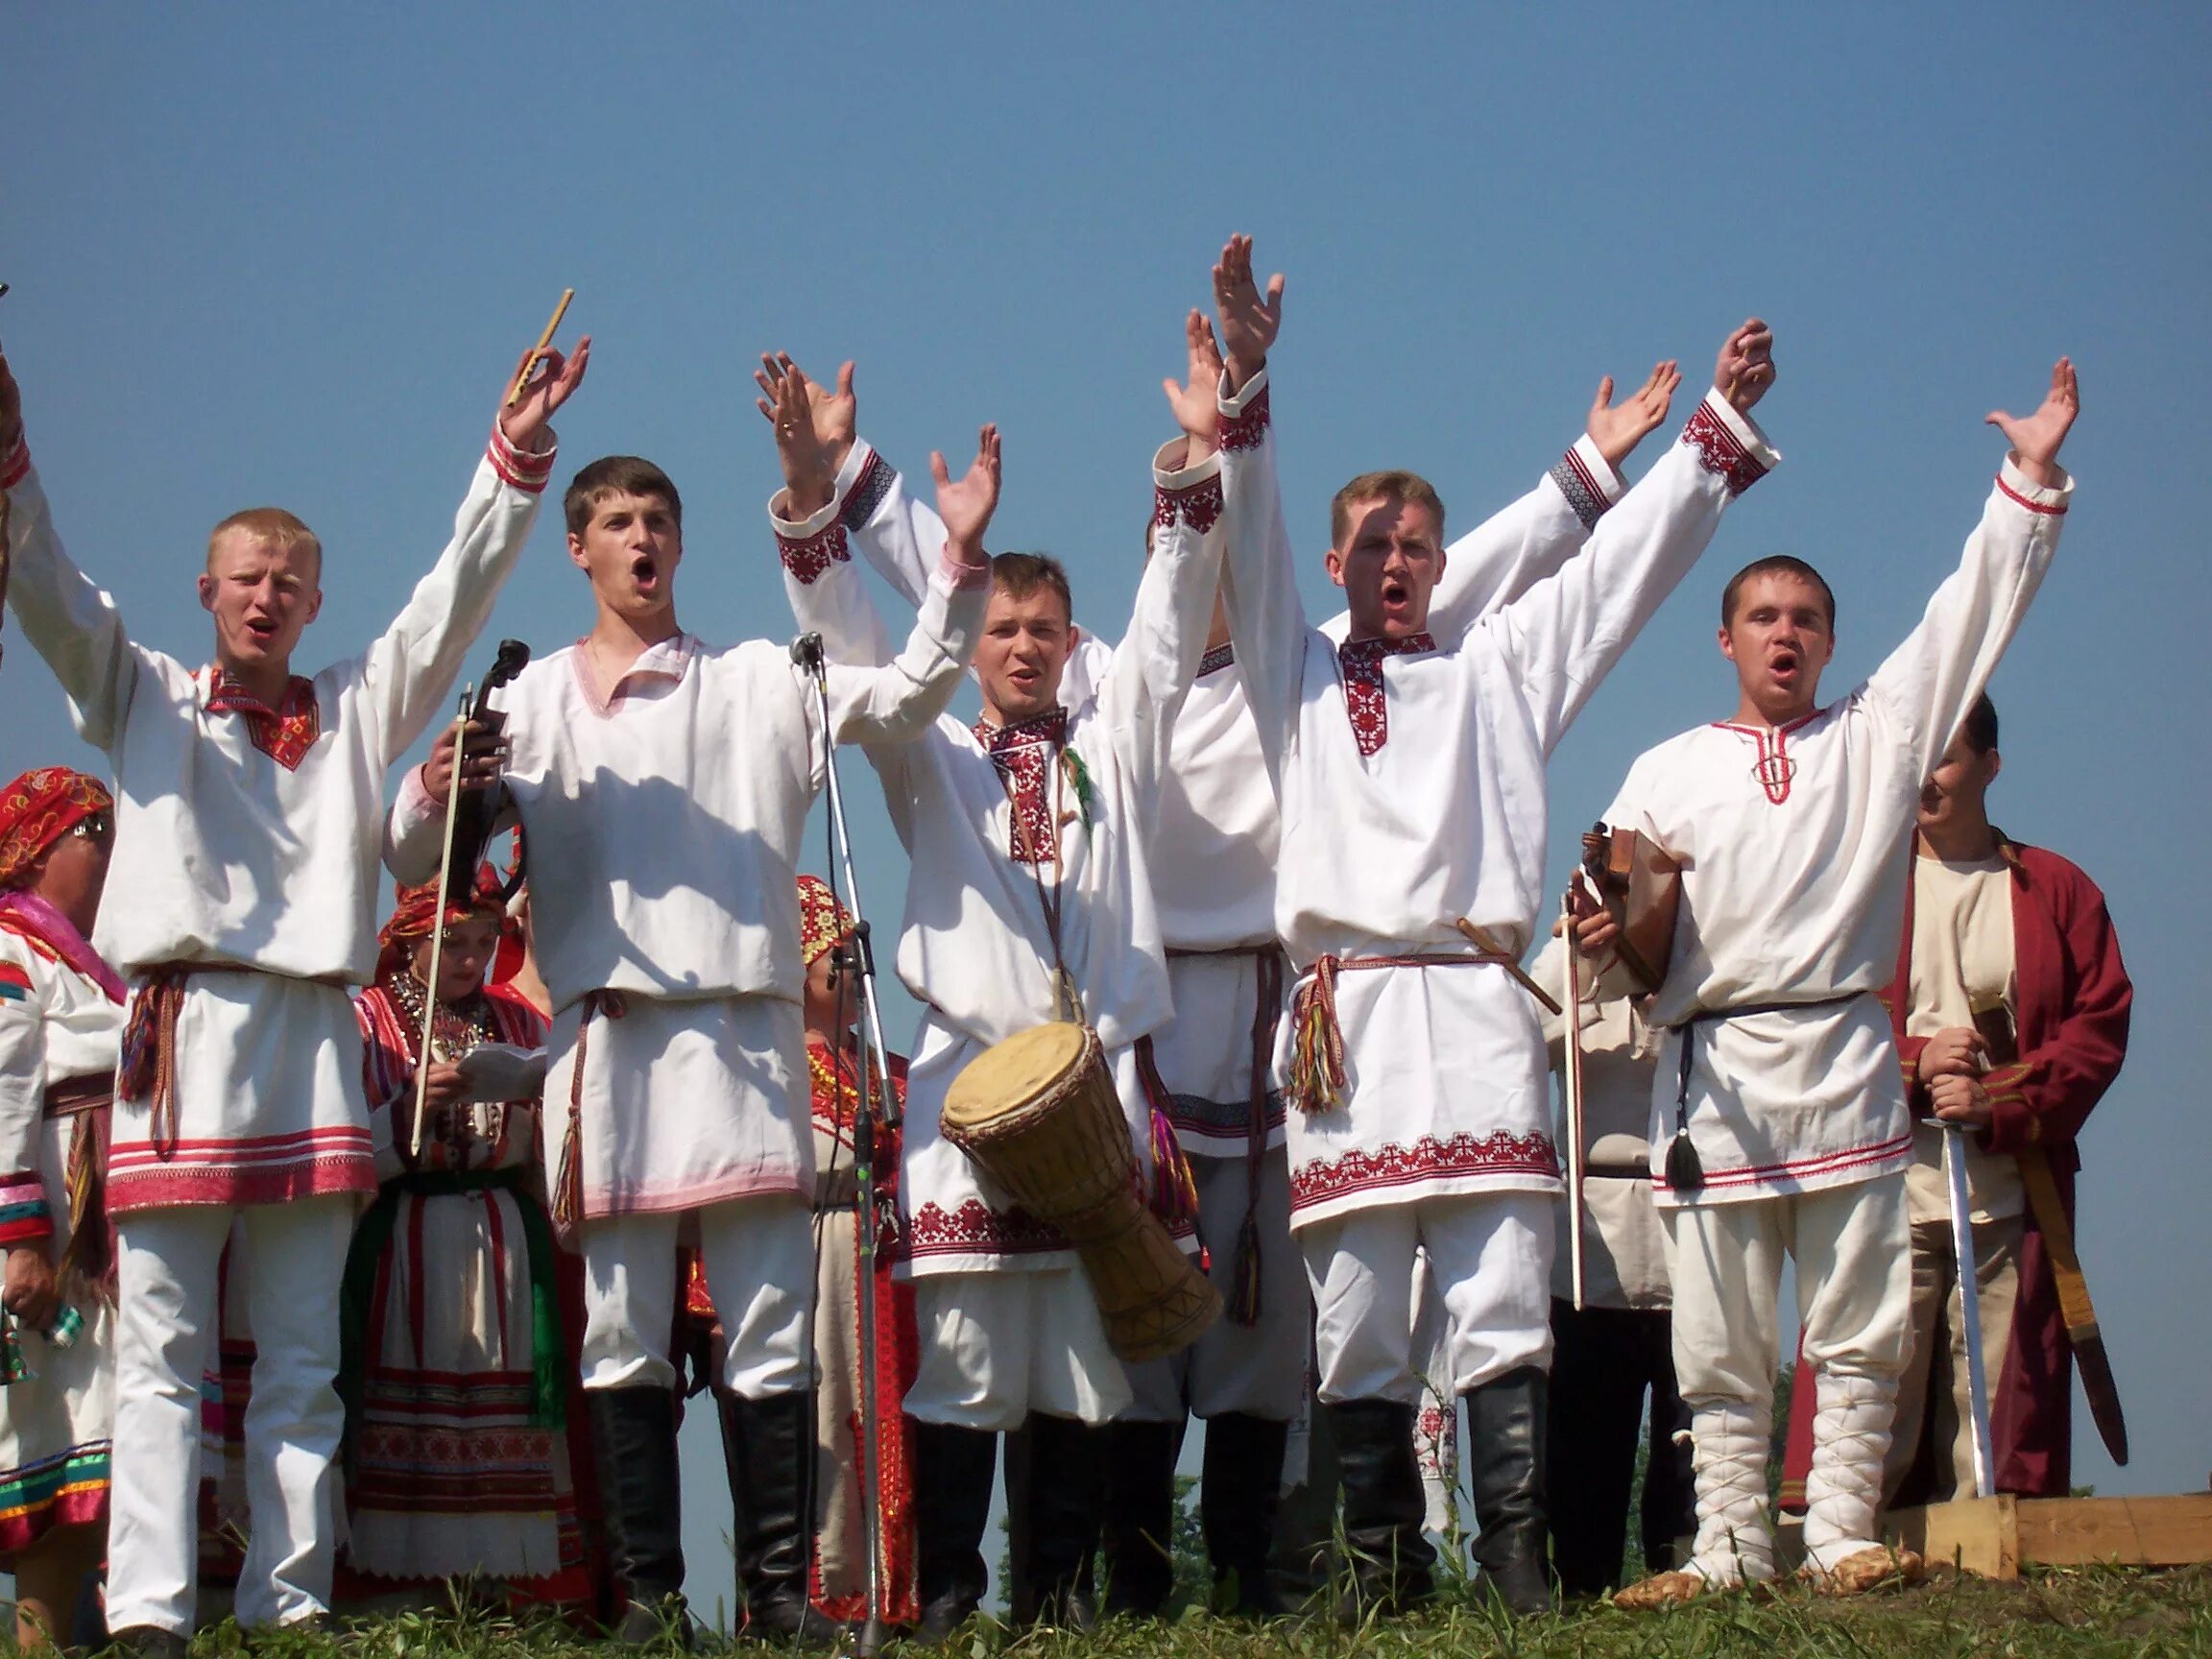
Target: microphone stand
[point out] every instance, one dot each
(875, 1104)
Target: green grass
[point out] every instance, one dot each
(2077, 1615)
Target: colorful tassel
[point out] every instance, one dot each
(1317, 1052)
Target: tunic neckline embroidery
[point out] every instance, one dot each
(653, 663)
(1775, 768)
(285, 732)
(1360, 661)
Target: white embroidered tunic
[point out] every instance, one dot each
(1217, 816)
(976, 946)
(249, 840)
(664, 828)
(1795, 842)
(1413, 790)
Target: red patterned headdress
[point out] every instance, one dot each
(416, 908)
(37, 809)
(823, 921)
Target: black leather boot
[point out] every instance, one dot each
(953, 1471)
(1066, 1461)
(1138, 1535)
(633, 1444)
(1505, 1459)
(1383, 1508)
(1237, 1494)
(768, 1449)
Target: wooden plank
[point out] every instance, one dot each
(1981, 1535)
(2133, 1532)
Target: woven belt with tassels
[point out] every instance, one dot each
(1317, 1056)
(568, 1184)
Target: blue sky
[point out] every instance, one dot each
(288, 253)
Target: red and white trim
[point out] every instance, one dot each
(1776, 768)
(25, 1217)
(1721, 450)
(975, 1229)
(523, 470)
(16, 463)
(2049, 509)
(1390, 1165)
(1243, 428)
(1820, 1170)
(807, 557)
(1197, 505)
(259, 1169)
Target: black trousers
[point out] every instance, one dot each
(1603, 1362)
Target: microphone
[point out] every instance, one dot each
(807, 651)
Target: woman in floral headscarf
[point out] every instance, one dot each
(61, 1025)
(465, 1447)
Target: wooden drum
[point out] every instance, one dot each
(1038, 1116)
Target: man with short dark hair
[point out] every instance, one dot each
(1780, 1123)
(1410, 772)
(1993, 925)
(662, 786)
(1032, 899)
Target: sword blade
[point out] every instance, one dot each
(1969, 1305)
(2102, 1390)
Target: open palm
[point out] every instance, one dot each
(1617, 428)
(1197, 401)
(2037, 438)
(1250, 320)
(965, 503)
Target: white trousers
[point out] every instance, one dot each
(1852, 1248)
(758, 1255)
(1490, 1254)
(1259, 1369)
(165, 1329)
(998, 1346)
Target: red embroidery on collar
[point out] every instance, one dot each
(1775, 768)
(1361, 663)
(285, 732)
(1025, 753)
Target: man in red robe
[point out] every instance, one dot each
(1991, 924)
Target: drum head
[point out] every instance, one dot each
(1011, 1074)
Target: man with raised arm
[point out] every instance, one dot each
(662, 786)
(1780, 1123)
(1215, 897)
(247, 805)
(1411, 771)
(1034, 852)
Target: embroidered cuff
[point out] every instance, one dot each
(24, 1215)
(2013, 1123)
(1191, 494)
(1244, 417)
(2015, 486)
(1729, 443)
(809, 545)
(523, 470)
(1589, 481)
(958, 574)
(15, 461)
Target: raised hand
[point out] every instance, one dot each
(814, 426)
(552, 383)
(11, 406)
(1746, 367)
(1249, 321)
(1197, 401)
(965, 504)
(1617, 428)
(2034, 440)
